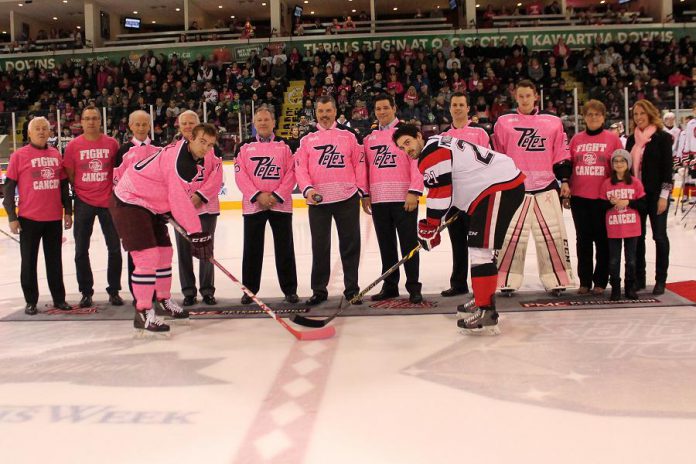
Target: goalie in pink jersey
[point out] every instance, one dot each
(537, 143)
(485, 185)
(147, 192)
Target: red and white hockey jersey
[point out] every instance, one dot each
(536, 142)
(460, 174)
(163, 183)
(391, 173)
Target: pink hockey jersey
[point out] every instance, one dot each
(265, 167)
(209, 188)
(332, 162)
(391, 173)
(460, 174)
(132, 156)
(536, 142)
(590, 157)
(625, 222)
(472, 134)
(163, 183)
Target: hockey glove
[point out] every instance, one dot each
(201, 245)
(428, 235)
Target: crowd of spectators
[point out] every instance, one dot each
(420, 81)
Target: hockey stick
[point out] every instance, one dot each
(307, 322)
(320, 334)
(12, 237)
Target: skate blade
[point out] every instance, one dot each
(142, 334)
(178, 322)
(488, 331)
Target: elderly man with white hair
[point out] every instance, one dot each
(208, 205)
(36, 170)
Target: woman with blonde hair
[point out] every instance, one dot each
(651, 156)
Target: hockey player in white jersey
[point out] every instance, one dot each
(474, 180)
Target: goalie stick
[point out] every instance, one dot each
(308, 322)
(320, 334)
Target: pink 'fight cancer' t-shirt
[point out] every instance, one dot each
(93, 166)
(38, 173)
(623, 223)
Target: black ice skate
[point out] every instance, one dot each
(170, 309)
(147, 322)
(483, 321)
(468, 308)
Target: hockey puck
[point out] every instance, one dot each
(317, 198)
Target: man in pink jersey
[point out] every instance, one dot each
(395, 185)
(330, 163)
(535, 140)
(36, 171)
(463, 178)
(88, 161)
(459, 230)
(265, 174)
(150, 189)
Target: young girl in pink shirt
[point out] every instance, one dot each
(625, 200)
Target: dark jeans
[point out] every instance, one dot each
(459, 236)
(51, 233)
(347, 216)
(591, 230)
(658, 224)
(629, 245)
(252, 260)
(206, 269)
(391, 220)
(83, 226)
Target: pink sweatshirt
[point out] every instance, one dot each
(331, 161)
(591, 161)
(265, 167)
(209, 188)
(390, 172)
(163, 183)
(476, 135)
(536, 142)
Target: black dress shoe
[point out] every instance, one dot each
(62, 306)
(30, 310)
(115, 299)
(630, 294)
(316, 299)
(357, 303)
(86, 301)
(640, 284)
(292, 298)
(209, 300)
(659, 288)
(385, 294)
(189, 301)
(452, 291)
(246, 299)
(415, 298)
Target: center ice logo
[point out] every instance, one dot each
(330, 157)
(530, 140)
(265, 168)
(95, 165)
(383, 158)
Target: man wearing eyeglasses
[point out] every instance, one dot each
(89, 164)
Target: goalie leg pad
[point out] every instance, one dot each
(553, 254)
(511, 256)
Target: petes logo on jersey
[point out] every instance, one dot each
(330, 157)
(383, 158)
(529, 140)
(265, 168)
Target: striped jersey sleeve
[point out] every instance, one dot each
(435, 163)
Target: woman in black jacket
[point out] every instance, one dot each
(651, 151)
